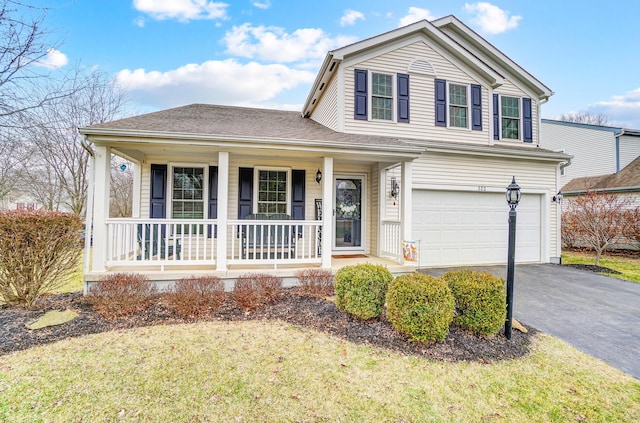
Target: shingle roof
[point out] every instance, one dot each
(628, 177)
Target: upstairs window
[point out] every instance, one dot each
(510, 112)
(381, 96)
(458, 106)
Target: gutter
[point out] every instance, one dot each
(603, 190)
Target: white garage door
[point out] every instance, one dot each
(468, 228)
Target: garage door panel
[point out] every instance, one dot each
(466, 228)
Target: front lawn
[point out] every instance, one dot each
(277, 372)
(629, 267)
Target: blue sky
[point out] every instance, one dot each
(265, 53)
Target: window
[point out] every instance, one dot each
(272, 191)
(458, 106)
(188, 193)
(510, 111)
(381, 96)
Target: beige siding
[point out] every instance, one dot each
(594, 150)
(326, 112)
(512, 90)
(441, 171)
(629, 149)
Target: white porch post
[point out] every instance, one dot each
(101, 206)
(223, 209)
(406, 200)
(137, 188)
(327, 211)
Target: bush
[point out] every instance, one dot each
(196, 297)
(420, 306)
(121, 295)
(39, 251)
(316, 282)
(253, 291)
(361, 289)
(480, 300)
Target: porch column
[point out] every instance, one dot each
(102, 180)
(406, 200)
(223, 209)
(327, 211)
(137, 183)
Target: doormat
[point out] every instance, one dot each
(338, 256)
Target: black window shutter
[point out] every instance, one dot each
(245, 192)
(527, 120)
(158, 207)
(298, 196)
(213, 196)
(360, 95)
(403, 97)
(476, 107)
(496, 118)
(441, 102)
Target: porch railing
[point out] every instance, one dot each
(161, 241)
(391, 239)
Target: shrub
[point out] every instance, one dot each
(252, 291)
(361, 289)
(420, 306)
(121, 295)
(480, 300)
(39, 251)
(196, 297)
(316, 282)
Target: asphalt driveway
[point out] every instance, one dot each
(597, 314)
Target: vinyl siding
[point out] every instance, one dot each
(629, 149)
(326, 112)
(594, 150)
(442, 171)
(512, 90)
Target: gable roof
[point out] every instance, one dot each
(628, 179)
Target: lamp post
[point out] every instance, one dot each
(513, 198)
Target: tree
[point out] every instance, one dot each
(599, 119)
(121, 198)
(598, 219)
(9, 162)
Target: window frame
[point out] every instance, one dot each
(205, 187)
(394, 96)
(519, 118)
(256, 185)
(450, 105)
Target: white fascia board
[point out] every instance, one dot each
(322, 76)
(474, 150)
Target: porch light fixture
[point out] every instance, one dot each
(395, 189)
(513, 198)
(557, 198)
(318, 176)
(123, 167)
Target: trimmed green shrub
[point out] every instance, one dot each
(39, 252)
(196, 296)
(480, 300)
(361, 289)
(420, 306)
(121, 295)
(316, 282)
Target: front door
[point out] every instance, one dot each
(349, 216)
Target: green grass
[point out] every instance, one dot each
(275, 372)
(629, 268)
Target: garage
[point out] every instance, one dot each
(471, 228)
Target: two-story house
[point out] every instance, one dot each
(411, 135)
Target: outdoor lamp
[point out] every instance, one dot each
(395, 189)
(318, 176)
(557, 198)
(513, 194)
(123, 167)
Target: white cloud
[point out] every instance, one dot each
(139, 22)
(415, 14)
(221, 82)
(262, 4)
(350, 17)
(54, 59)
(182, 10)
(622, 110)
(273, 44)
(491, 19)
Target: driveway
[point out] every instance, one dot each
(597, 314)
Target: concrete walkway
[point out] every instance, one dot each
(597, 314)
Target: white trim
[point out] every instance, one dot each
(520, 118)
(205, 187)
(468, 88)
(256, 179)
(363, 212)
(394, 96)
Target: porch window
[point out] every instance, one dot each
(187, 200)
(272, 191)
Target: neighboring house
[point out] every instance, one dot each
(17, 200)
(411, 135)
(596, 150)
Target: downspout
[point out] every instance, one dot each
(618, 135)
(88, 225)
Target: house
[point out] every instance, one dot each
(409, 136)
(596, 150)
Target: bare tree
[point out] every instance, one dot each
(10, 159)
(599, 119)
(598, 219)
(121, 199)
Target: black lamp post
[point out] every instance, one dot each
(513, 198)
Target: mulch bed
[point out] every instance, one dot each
(593, 268)
(316, 313)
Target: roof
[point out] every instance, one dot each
(615, 129)
(628, 179)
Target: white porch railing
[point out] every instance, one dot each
(274, 241)
(391, 239)
(161, 241)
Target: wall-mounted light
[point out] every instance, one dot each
(123, 167)
(557, 198)
(395, 189)
(318, 176)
